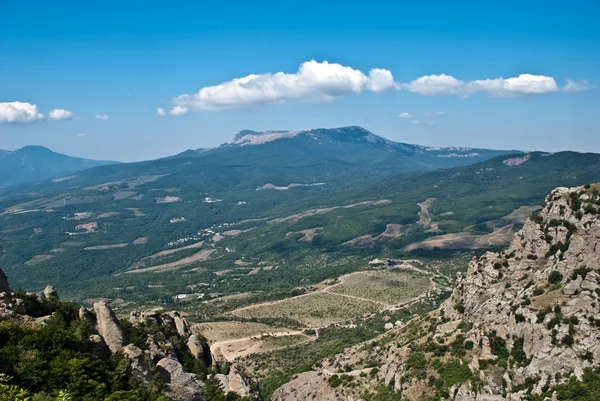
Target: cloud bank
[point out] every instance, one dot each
(324, 81)
(19, 112)
(103, 117)
(313, 81)
(523, 85)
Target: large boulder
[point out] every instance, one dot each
(50, 292)
(181, 386)
(138, 363)
(108, 327)
(235, 382)
(4, 287)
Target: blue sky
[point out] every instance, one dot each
(439, 61)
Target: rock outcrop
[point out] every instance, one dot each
(4, 287)
(50, 292)
(180, 384)
(236, 382)
(108, 327)
(519, 322)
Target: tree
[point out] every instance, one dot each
(213, 390)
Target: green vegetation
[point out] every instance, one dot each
(472, 199)
(588, 389)
(57, 360)
(555, 277)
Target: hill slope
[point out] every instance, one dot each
(36, 163)
(192, 222)
(521, 324)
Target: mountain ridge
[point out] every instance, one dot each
(34, 163)
(521, 324)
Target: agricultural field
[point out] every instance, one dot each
(384, 287)
(313, 310)
(230, 330)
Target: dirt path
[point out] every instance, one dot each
(240, 347)
(424, 217)
(354, 297)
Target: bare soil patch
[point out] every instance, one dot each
(197, 257)
(307, 235)
(313, 212)
(171, 251)
(103, 247)
(38, 259)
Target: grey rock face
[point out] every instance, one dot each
(539, 297)
(139, 366)
(181, 386)
(108, 326)
(50, 292)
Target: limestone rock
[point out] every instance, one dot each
(235, 382)
(108, 326)
(195, 347)
(139, 367)
(50, 292)
(181, 386)
(538, 300)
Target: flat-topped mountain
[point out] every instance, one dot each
(35, 163)
(347, 145)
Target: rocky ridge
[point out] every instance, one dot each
(156, 344)
(519, 324)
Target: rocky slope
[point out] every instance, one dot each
(523, 324)
(159, 347)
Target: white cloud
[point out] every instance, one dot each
(314, 81)
(415, 121)
(524, 84)
(82, 135)
(160, 112)
(178, 111)
(434, 85)
(434, 113)
(19, 112)
(101, 117)
(578, 86)
(60, 114)
(404, 115)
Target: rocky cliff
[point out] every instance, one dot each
(523, 324)
(159, 347)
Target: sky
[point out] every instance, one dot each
(137, 80)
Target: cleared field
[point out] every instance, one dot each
(500, 236)
(388, 287)
(314, 310)
(236, 348)
(197, 257)
(223, 331)
(102, 247)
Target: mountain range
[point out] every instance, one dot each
(35, 163)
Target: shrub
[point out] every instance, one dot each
(555, 277)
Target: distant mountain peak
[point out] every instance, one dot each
(249, 137)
